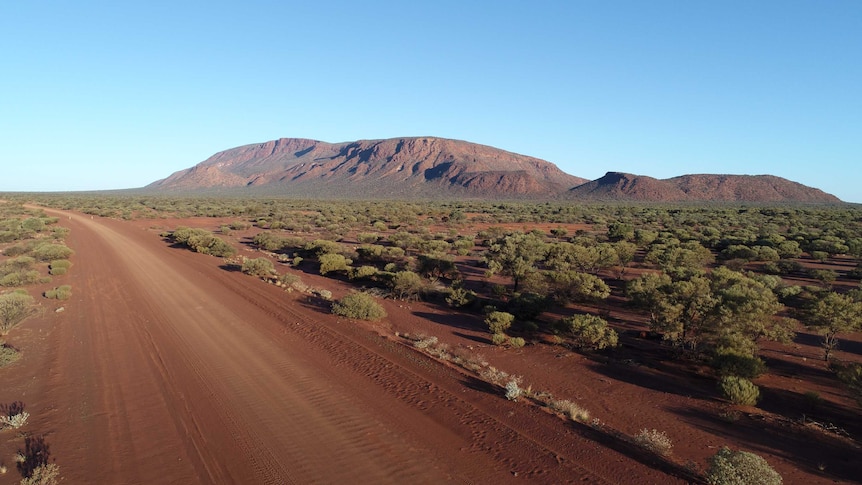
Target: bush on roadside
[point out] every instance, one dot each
(360, 306)
(258, 267)
(51, 251)
(8, 354)
(60, 293)
(59, 267)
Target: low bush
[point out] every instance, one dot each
(59, 266)
(60, 293)
(654, 440)
(739, 390)
(258, 267)
(51, 251)
(8, 354)
(729, 467)
(740, 365)
(589, 331)
(572, 410)
(499, 322)
(48, 474)
(360, 306)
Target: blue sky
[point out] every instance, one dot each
(105, 95)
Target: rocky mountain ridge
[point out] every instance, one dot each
(429, 167)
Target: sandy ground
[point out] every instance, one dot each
(166, 368)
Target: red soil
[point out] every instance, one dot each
(166, 368)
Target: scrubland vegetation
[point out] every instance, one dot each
(32, 252)
(709, 286)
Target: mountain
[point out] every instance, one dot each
(393, 168)
(700, 187)
(440, 168)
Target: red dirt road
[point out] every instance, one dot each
(165, 368)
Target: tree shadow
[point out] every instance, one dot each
(658, 376)
(816, 452)
(454, 320)
(474, 338)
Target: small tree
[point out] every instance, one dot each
(729, 467)
(835, 314)
(406, 285)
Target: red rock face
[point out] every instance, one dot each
(428, 167)
(398, 167)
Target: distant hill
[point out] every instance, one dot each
(428, 167)
(702, 187)
(393, 168)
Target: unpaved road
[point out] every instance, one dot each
(166, 368)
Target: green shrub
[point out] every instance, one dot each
(589, 331)
(258, 267)
(498, 322)
(460, 297)
(362, 272)
(739, 390)
(729, 467)
(499, 338)
(51, 251)
(737, 364)
(330, 262)
(407, 285)
(59, 266)
(20, 278)
(360, 306)
(517, 342)
(60, 293)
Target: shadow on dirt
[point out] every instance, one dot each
(809, 448)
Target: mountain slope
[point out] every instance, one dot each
(399, 167)
(428, 167)
(700, 187)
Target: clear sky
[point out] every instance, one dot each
(117, 94)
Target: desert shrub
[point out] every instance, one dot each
(51, 251)
(258, 267)
(362, 272)
(8, 354)
(459, 297)
(589, 331)
(729, 467)
(517, 342)
(654, 440)
(738, 364)
(14, 307)
(202, 241)
(59, 266)
(60, 293)
(739, 390)
(20, 278)
(43, 475)
(499, 322)
(407, 285)
(330, 262)
(14, 421)
(361, 306)
(572, 410)
(513, 390)
(499, 338)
